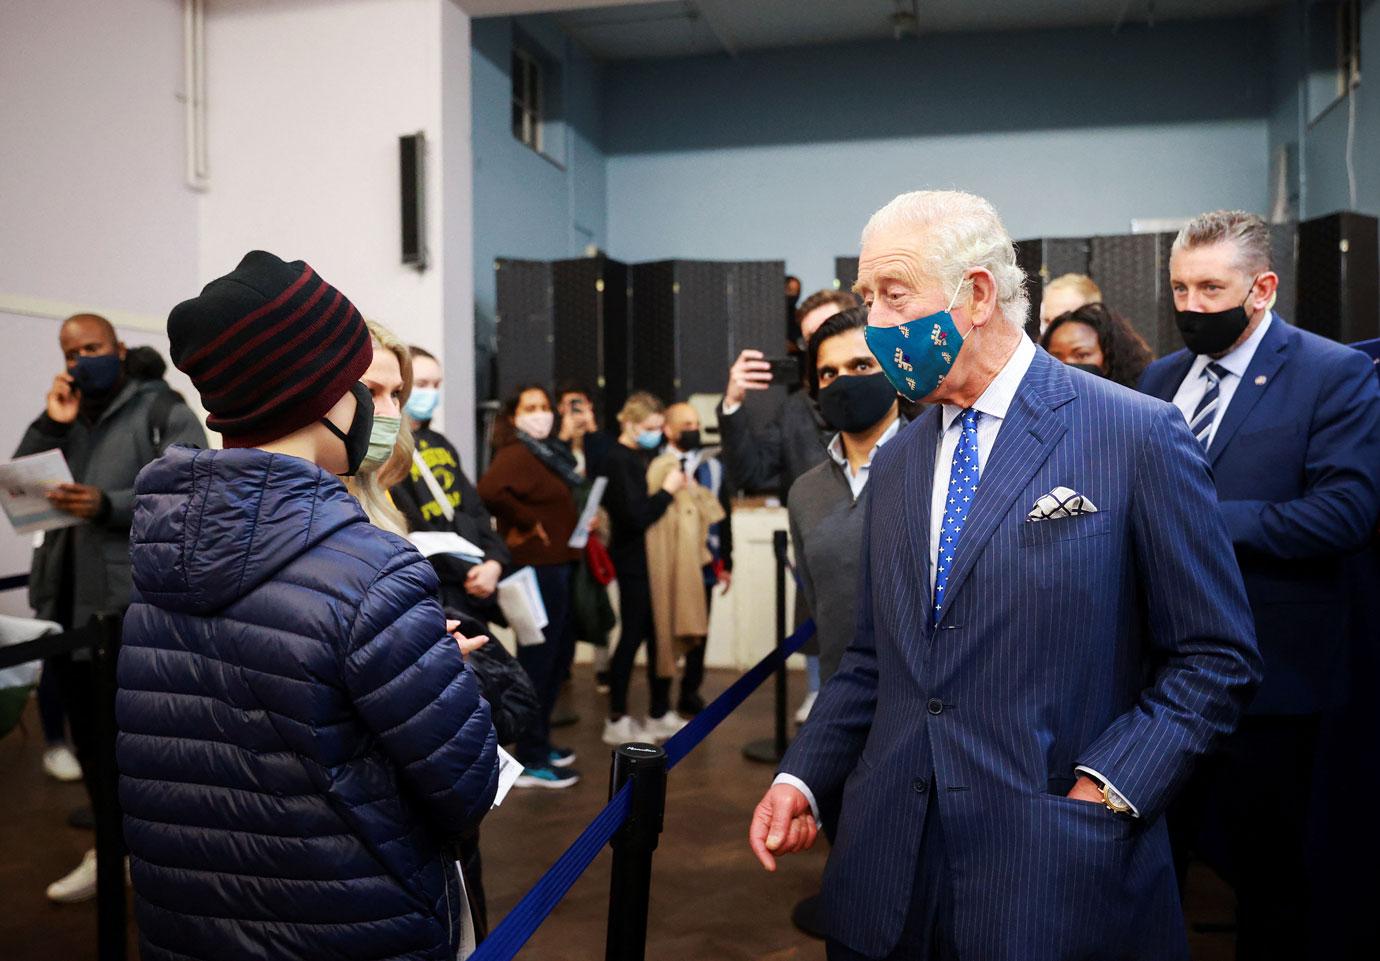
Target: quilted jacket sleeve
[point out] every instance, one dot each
(416, 693)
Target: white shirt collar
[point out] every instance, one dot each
(1239, 359)
(836, 446)
(996, 399)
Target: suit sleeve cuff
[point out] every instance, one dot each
(803, 788)
(730, 409)
(1135, 811)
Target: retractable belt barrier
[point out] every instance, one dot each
(504, 942)
(14, 583)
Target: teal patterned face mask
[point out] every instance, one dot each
(917, 355)
(381, 440)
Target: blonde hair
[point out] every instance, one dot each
(1081, 284)
(639, 406)
(370, 487)
(955, 232)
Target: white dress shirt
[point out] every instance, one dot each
(856, 482)
(1195, 385)
(993, 406)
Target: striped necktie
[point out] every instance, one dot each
(1206, 413)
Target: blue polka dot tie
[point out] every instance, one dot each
(963, 482)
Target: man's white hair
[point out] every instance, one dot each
(957, 231)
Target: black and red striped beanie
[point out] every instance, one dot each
(271, 347)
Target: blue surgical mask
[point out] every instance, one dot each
(917, 355)
(649, 439)
(421, 405)
(96, 375)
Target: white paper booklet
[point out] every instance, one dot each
(24, 485)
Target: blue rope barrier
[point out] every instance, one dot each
(514, 931)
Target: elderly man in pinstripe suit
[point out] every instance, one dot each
(1052, 630)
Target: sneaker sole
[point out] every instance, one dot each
(562, 761)
(525, 781)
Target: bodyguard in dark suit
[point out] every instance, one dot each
(1290, 423)
(1051, 631)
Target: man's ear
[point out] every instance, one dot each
(982, 297)
(120, 349)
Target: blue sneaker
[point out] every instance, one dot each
(547, 777)
(561, 757)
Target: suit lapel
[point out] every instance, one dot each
(1269, 358)
(919, 490)
(1175, 377)
(1028, 434)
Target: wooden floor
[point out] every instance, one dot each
(710, 899)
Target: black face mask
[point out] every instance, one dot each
(357, 440)
(1213, 333)
(854, 403)
(689, 441)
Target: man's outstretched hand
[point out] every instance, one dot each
(782, 824)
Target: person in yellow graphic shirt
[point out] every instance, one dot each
(437, 496)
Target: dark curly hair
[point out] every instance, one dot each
(1125, 354)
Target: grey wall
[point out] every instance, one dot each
(786, 153)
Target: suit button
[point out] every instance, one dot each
(920, 785)
(936, 706)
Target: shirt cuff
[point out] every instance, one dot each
(1135, 812)
(803, 788)
(730, 409)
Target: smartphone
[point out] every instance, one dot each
(784, 370)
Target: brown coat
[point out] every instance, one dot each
(522, 492)
(677, 552)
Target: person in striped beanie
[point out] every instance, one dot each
(301, 741)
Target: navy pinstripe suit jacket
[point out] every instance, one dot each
(1121, 640)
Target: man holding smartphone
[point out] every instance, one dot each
(775, 454)
(108, 425)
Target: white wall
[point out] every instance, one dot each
(306, 101)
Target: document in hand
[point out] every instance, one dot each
(580, 536)
(519, 598)
(24, 486)
(431, 543)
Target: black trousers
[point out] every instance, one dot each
(542, 662)
(1246, 811)
(76, 689)
(928, 932)
(693, 676)
(635, 615)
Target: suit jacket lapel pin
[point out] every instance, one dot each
(1060, 502)
(1260, 381)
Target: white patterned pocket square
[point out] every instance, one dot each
(1060, 502)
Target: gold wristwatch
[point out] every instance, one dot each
(1114, 801)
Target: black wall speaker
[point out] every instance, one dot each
(412, 168)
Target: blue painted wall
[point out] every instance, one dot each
(786, 153)
(525, 204)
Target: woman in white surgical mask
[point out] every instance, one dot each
(389, 379)
(529, 490)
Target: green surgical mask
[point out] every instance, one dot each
(381, 440)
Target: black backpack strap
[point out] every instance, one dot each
(159, 412)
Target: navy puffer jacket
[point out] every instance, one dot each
(300, 740)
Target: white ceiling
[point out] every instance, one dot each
(670, 28)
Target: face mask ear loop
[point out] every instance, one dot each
(1249, 290)
(954, 299)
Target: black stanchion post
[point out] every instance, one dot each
(111, 924)
(629, 891)
(773, 750)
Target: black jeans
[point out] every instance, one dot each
(76, 688)
(543, 662)
(693, 676)
(635, 610)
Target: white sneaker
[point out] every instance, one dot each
(625, 730)
(80, 885)
(61, 764)
(802, 714)
(664, 728)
